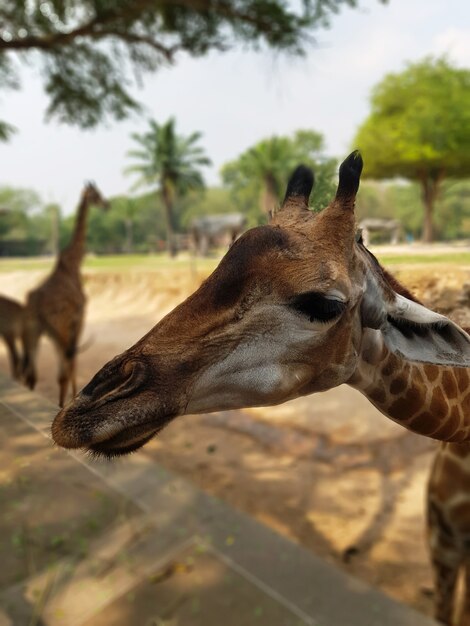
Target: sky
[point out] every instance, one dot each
(237, 98)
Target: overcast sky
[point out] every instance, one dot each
(238, 98)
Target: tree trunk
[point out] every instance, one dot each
(430, 186)
(269, 198)
(428, 234)
(168, 204)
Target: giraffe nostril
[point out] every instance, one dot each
(136, 375)
(115, 380)
(129, 367)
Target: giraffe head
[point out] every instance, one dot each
(283, 315)
(93, 196)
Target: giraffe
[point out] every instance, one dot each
(295, 307)
(56, 308)
(11, 329)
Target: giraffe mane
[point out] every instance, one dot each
(389, 279)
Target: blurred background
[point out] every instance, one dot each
(189, 117)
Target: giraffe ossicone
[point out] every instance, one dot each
(295, 307)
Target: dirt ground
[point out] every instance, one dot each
(329, 472)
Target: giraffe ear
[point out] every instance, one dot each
(413, 331)
(423, 335)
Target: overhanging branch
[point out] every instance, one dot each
(112, 18)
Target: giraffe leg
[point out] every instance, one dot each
(63, 378)
(30, 339)
(446, 561)
(445, 582)
(15, 361)
(464, 617)
(66, 375)
(74, 378)
(71, 355)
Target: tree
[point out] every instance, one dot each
(19, 208)
(454, 210)
(263, 169)
(172, 163)
(130, 211)
(15, 204)
(419, 129)
(89, 49)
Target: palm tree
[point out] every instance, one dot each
(266, 163)
(264, 168)
(172, 163)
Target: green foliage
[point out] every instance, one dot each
(8, 80)
(403, 202)
(15, 204)
(137, 224)
(171, 163)
(83, 87)
(256, 176)
(453, 210)
(14, 199)
(6, 130)
(261, 173)
(132, 224)
(168, 160)
(419, 129)
(419, 123)
(90, 51)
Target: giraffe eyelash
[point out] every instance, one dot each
(317, 307)
(410, 327)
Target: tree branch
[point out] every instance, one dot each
(226, 10)
(91, 28)
(45, 42)
(128, 37)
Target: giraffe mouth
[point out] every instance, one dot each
(126, 441)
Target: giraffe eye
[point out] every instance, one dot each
(317, 307)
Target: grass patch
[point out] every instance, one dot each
(24, 264)
(149, 262)
(452, 258)
(112, 263)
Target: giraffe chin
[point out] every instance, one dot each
(123, 443)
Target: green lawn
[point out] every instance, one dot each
(111, 263)
(150, 262)
(454, 258)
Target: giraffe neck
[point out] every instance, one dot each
(432, 400)
(73, 254)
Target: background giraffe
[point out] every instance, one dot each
(56, 308)
(11, 329)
